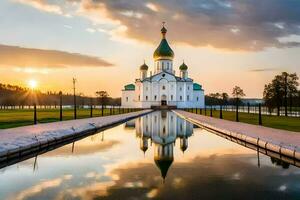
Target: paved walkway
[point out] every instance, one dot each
(23, 138)
(250, 133)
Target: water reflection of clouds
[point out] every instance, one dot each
(113, 167)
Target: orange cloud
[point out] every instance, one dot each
(27, 57)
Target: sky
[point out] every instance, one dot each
(102, 43)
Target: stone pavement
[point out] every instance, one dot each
(280, 141)
(16, 140)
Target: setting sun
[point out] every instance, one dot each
(32, 84)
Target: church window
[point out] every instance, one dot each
(162, 65)
(139, 97)
(155, 97)
(188, 87)
(180, 98)
(146, 98)
(197, 98)
(127, 99)
(187, 97)
(163, 75)
(167, 66)
(180, 88)
(163, 87)
(171, 97)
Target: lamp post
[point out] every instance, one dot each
(74, 95)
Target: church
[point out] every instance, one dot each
(163, 87)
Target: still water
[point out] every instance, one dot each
(157, 156)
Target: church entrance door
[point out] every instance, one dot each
(163, 100)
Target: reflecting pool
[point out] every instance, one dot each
(157, 156)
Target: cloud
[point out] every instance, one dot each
(14, 56)
(249, 25)
(42, 5)
(262, 69)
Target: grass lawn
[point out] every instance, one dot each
(282, 122)
(23, 117)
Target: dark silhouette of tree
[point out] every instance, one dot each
(281, 89)
(237, 93)
(102, 99)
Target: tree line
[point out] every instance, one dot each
(16, 96)
(282, 91)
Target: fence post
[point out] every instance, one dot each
(205, 110)
(259, 114)
(60, 106)
(110, 110)
(211, 111)
(34, 114)
(102, 109)
(200, 111)
(221, 113)
(237, 112)
(248, 104)
(91, 114)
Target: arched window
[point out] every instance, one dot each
(167, 65)
(180, 98)
(171, 97)
(155, 97)
(187, 97)
(139, 97)
(163, 87)
(127, 99)
(146, 98)
(162, 65)
(197, 98)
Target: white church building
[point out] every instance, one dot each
(163, 87)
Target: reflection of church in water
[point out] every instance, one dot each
(161, 129)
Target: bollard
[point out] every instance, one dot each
(200, 111)
(60, 106)
(205, 110)
(34, 114)
(259, 114)
(211, 111)
(221, 113)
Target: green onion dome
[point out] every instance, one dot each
(163, 51)
(144, 67)
(183, 67)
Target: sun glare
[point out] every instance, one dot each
(32, 84)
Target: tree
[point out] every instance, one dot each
(237, 93)
(281, 88)
(103, 99)
(225, 98)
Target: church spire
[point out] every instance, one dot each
(163, 30)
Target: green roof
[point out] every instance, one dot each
(163, 165)
(183, 66)
(163, 50)
(197, 86)
(129, 87)
(144, 67)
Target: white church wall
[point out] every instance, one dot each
(127, 100)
